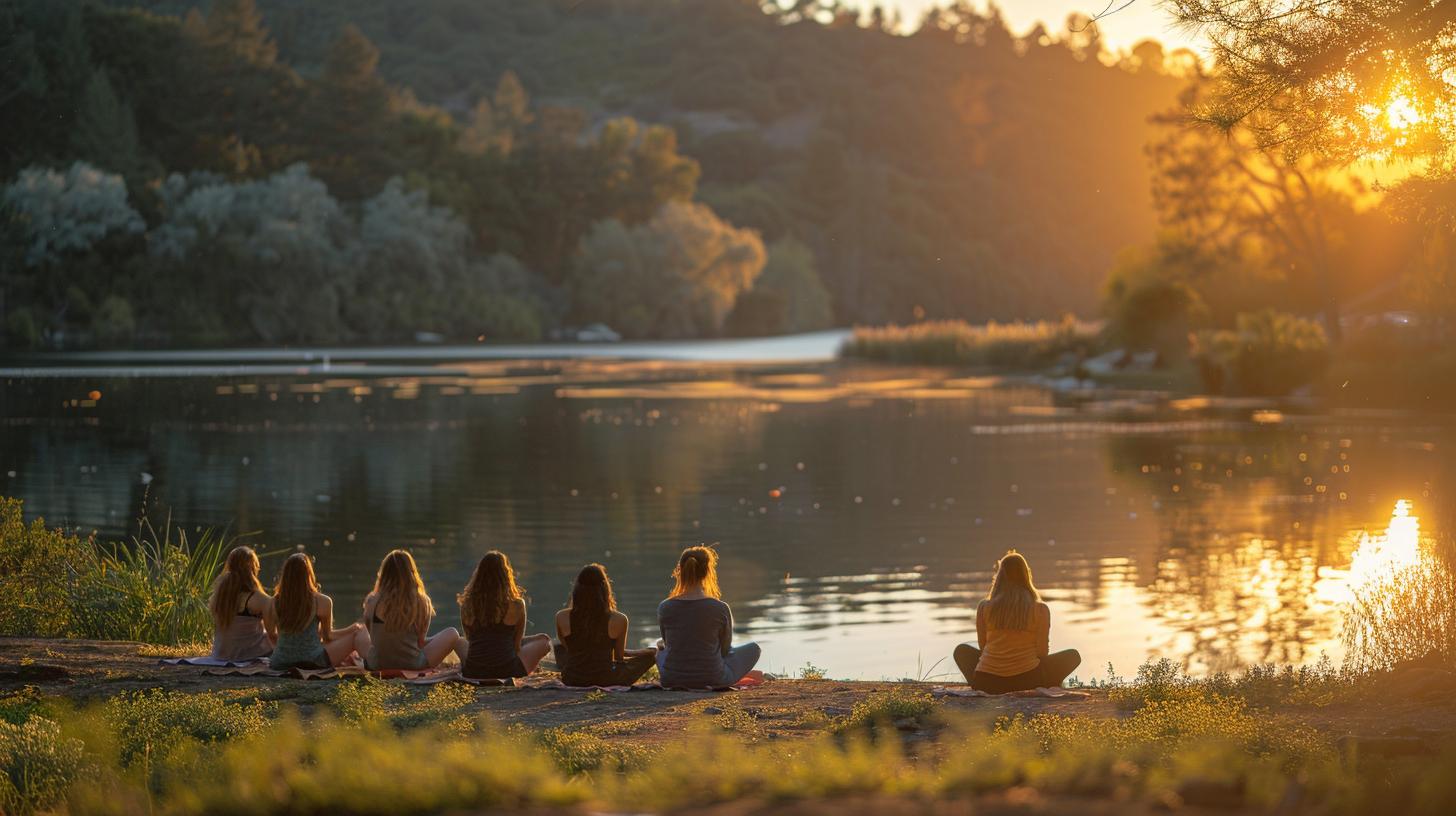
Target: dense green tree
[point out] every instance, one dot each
(106, 129)
(676, 275)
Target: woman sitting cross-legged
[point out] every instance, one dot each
(398, 613)
(697, 648)
(1013, 629)
(302, 620)
(493, 611)
(593, 648)
(238, 603)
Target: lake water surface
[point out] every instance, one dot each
(858, 509)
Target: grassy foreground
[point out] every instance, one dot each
(168, 741)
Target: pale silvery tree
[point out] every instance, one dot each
(65, 212)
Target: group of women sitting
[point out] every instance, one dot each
(294, 627)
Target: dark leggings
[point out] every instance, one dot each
(1053, 670)
(624, 673)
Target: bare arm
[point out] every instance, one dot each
(563, 624)
(980, 627)
(520, 605)
(1043, 623)
(619, 643)
(270, 621)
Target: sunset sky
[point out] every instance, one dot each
(1142, 19)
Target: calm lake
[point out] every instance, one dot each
(858, 509)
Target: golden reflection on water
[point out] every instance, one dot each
(1377, 556)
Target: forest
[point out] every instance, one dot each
(300, 171)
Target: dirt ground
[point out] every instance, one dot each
(783, 709)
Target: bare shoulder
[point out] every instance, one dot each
(1043, 611)
(616, 624)
(517, 613)
(323, 601)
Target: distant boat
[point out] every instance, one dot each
(597, 333)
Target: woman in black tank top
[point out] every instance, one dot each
(593, 647)
(493, 611)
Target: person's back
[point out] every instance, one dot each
(590, 645)
(698, 633)
(1010, 651)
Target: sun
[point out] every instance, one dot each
(1401, 114)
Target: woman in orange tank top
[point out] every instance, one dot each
(1013, 629)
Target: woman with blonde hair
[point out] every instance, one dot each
(398, 613)
(593, 648)
(301, 619)
(696, 650)
(237, 604)
(1013, 629)
(493, 612)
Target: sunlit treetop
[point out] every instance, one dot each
(1352, 79)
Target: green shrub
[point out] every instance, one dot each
(907, 703)
(38, 763)
(152, 589)
(576, 751)
(149, 725)
(1268, 352)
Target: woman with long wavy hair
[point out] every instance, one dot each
(493, 612)
(237, 604)
(301, 619)
(398, 612)
(697, 648)
(593, 636)
(1013, 632)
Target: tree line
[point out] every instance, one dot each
(802, 170)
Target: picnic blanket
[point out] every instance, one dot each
(209, 660)
(335, 673)
(1056, 692)
(754, 678)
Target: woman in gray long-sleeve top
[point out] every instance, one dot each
(697, 648)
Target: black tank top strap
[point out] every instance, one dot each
(245, 611)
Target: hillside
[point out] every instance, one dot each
(954, 172)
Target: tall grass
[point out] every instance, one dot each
(180, 754)
(153, 588)
(1016, 346)
(1405, 613)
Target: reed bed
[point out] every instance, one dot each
(152, 589)
(1021, 346)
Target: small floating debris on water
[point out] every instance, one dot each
(859, 499)
(94, 395)
(978, 521)
(575, 492)
(146, 477)
(323, 498)
(11, 474)
(895, 502)
(351, 536)
(763, 466)
(1023, 511)
(247, 461)
(775, 493)
(799, 465)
